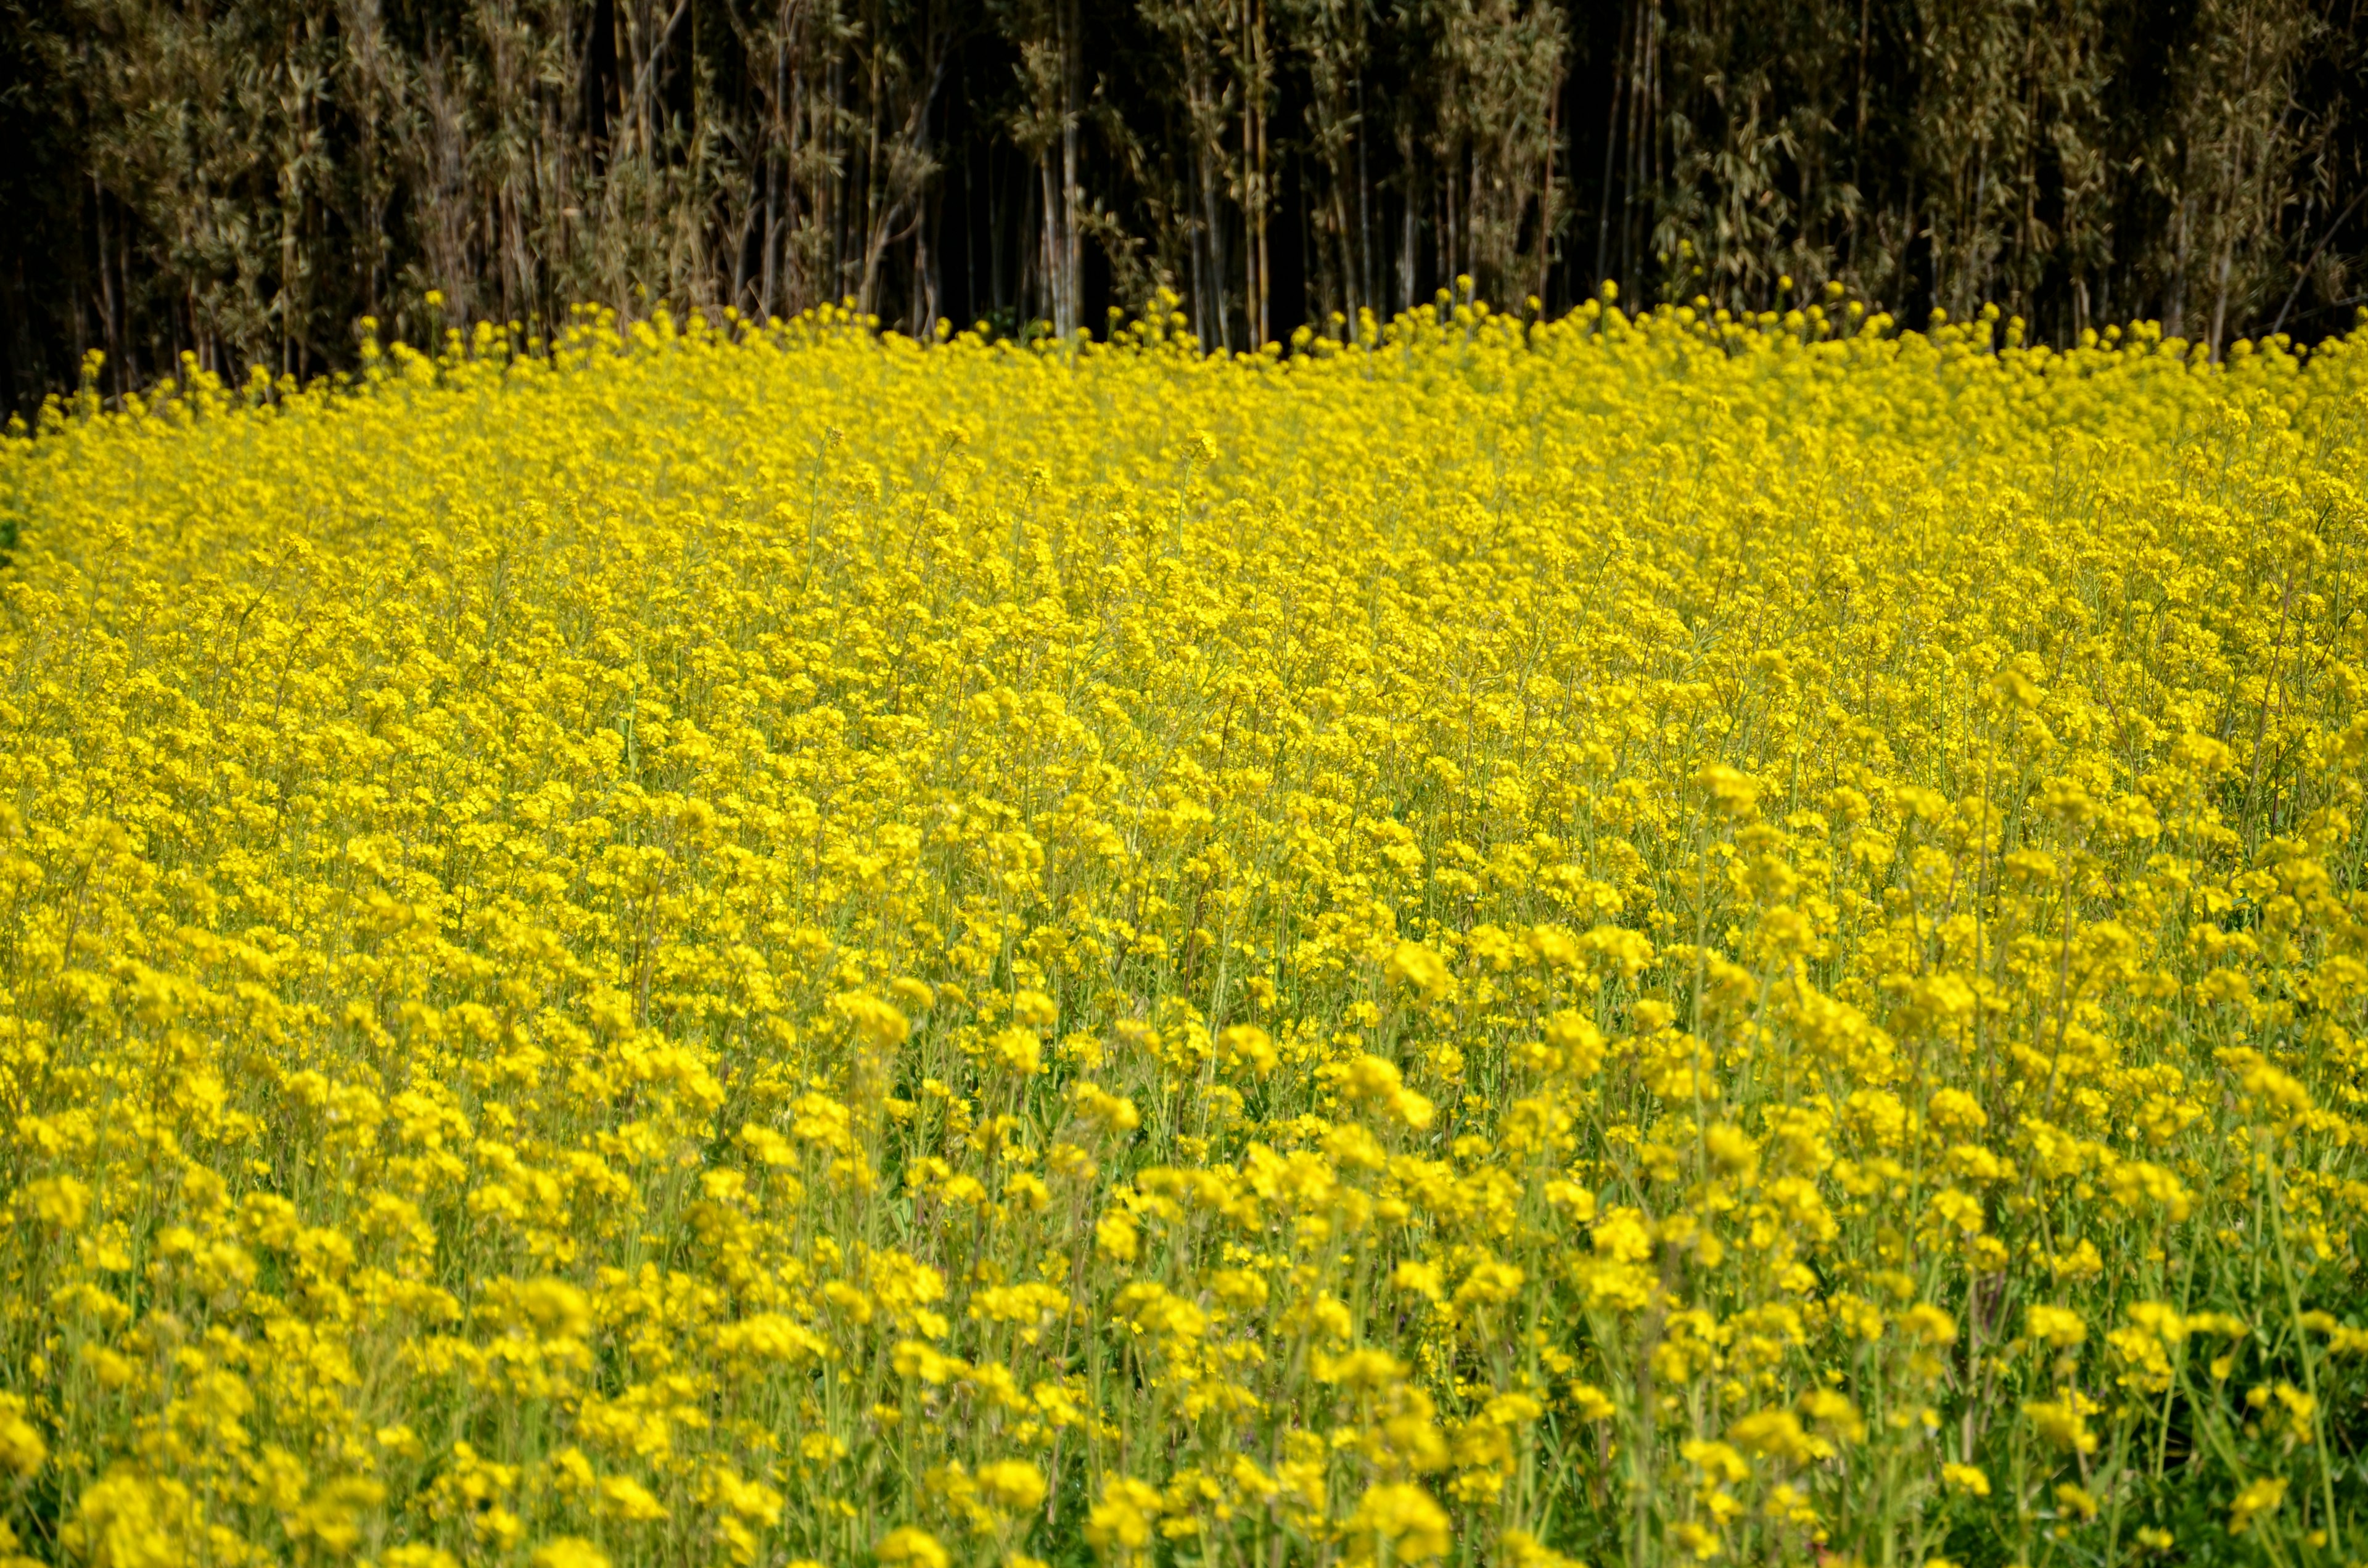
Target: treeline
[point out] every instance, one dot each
(245, 179)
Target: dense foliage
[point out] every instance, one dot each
(1640, 939)
(244, 179)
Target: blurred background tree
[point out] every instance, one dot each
(244, 180)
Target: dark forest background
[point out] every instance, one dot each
(245, 179)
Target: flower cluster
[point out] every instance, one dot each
(1637, 940)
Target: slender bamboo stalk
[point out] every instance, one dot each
(520, 155)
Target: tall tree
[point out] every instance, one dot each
(242, 180)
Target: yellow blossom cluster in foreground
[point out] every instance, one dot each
(1635, 939)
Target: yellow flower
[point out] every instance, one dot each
(1732, 791)
(59, 1200)
(1928, 1324)
(1420, 969)
(1402, 1518)
(1697, 1541)
(643, 930)
(622, 1497)
(1778, 1435)
(1014, 1485)
(129, 1520)
(1250, 1046)
(1522, 1550)
(2062, 1422)
(1116, 1237)
(2055, 1325)
(907, 1545)
(1121, 1524)
(2260, 1497)
(1110, 1113)
(1835, 1413)
(22, 1447)
(1017, 1051)
(877, 1024)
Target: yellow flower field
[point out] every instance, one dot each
(1637, 940)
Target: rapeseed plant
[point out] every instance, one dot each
(1639, 939)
